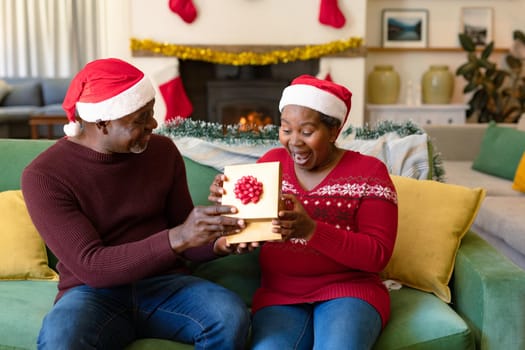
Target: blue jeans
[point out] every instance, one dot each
(176, 307)
(343, 323)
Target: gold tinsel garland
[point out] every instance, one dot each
(186, 52)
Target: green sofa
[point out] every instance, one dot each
(488, 291)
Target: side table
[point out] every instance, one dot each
(424, 114)
(49, 120)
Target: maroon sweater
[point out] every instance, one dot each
(355, 208)
(106, 216)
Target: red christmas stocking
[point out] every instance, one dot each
(177, 102)
(330, 14)
(184, 8)
(325, 75)
(174, 103)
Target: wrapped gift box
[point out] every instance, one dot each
(258, 214)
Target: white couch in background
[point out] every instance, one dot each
(501, 218)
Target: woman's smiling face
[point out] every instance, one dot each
(308, 141)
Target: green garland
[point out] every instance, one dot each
(186, 127)
(382, 128)
(233, 134)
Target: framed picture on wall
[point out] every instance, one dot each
(477, 22)
(404, 28)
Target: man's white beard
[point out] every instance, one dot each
(137, 148)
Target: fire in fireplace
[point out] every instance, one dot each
(248, 95)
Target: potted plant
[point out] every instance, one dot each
(497, 94)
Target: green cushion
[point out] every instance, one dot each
(500, 152)
(26, 303)
(200, 178)
(420, 320)
(18, 154)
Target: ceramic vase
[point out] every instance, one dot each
(383, 85)
(437, 85)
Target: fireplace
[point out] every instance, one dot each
(228, 100)
(233, 94)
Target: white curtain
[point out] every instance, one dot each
(47, 38)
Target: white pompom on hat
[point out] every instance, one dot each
(105, 89)
(324, 96)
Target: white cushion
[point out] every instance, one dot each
(405, 156)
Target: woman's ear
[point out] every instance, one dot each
(334, 132)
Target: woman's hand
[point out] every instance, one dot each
(293, 220)
(216, 189)
(222, 247)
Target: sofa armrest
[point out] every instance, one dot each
(489, 293)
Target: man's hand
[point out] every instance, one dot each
(203, 225)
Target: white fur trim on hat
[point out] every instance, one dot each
(118, 106)
(314, 98)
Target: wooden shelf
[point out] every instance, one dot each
(425, 49)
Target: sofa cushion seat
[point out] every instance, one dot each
(18, 113)
(419, 320)
(503, 218)
(461, 173)
(500, 219)
(26, 303)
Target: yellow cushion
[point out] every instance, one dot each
(519, 176)
(433, 218)
(23, 254)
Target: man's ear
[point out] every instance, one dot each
(102, 124)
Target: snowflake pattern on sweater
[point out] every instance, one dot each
(343, 197)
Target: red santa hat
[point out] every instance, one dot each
(105, 89)
(322, 95)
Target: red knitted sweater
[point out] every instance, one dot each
(355, 207)
(106, 216)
